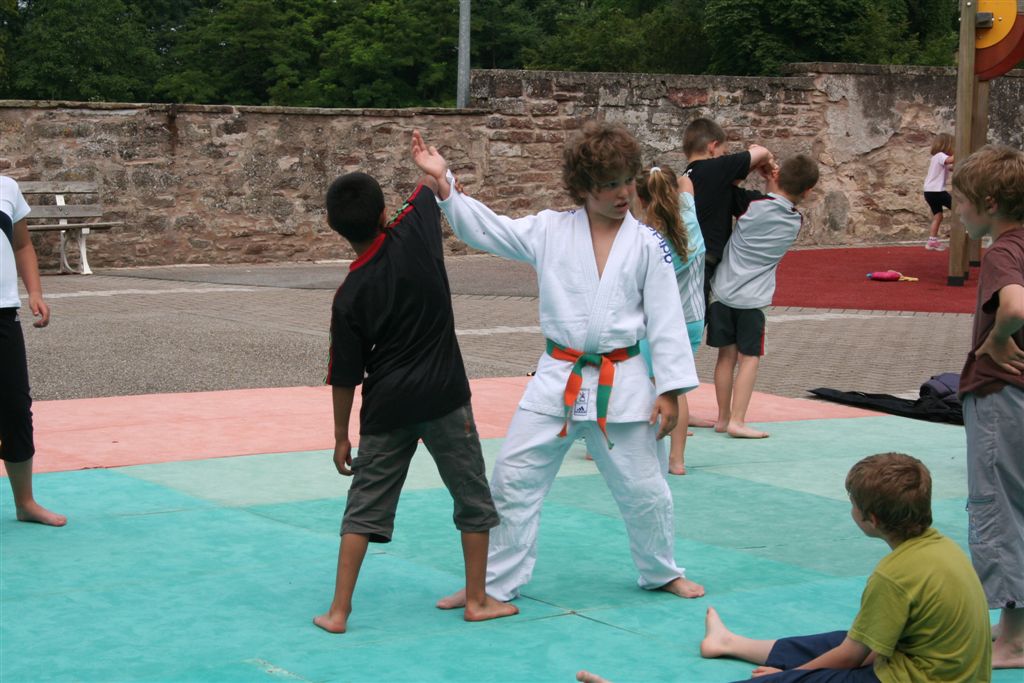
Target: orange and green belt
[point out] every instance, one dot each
(605, 378)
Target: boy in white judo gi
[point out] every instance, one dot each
(606, 282)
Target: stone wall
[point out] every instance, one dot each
(221, 184)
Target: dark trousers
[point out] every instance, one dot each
(382, 462)
(16, 443)
(789, 653)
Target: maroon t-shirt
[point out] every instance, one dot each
(1002, 265)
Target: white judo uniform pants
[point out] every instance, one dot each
(634, 472)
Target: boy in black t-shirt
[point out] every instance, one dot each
(393, 331)
(716, 195)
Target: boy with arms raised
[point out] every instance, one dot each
(922, 615)
(988, 194)
(714, 175)
(393, 331)
(743, 287)
(605, 283)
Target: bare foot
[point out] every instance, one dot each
(491, 609)
(456, 599)
(742, 431)
(684, 588)
(34, 512)
(676, 469)
(1007, 655)
(721, 427)
(702, 422)
(332, 622)
(587, 677)
(716, 636)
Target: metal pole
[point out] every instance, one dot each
(462, 96)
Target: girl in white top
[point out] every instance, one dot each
(17, 256)
(935, 185)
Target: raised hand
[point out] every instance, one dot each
(427, 158)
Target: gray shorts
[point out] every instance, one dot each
(995, 488)
(382, 462)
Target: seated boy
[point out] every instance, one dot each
(414, 384)
(743, 287)
(715, 174)
(988, 189)
(922, 615)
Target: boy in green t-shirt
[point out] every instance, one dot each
(923, 615)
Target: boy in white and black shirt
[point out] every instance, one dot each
(17, 256)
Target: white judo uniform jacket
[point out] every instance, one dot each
(636, 297)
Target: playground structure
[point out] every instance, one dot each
(991, 43)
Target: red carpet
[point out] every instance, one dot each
(835, 278)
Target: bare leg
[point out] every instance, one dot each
(1008, 647)
(587, 677)
(479, 605)
(25, 505)
(676, 461)
(350, 558)
(743, 390)
(721, 642)
(936, 222)
(725, 366)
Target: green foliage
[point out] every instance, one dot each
(8, 17)
(63, 52)
(397, 53)
(393, 53)
(764, 34)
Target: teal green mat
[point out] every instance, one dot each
(212, 570)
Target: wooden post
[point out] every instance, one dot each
(979, 136)
(965, 91)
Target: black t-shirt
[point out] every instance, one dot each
(392, 326)
(716, 197)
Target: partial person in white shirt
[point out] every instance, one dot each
(17, 447)
(935, 193)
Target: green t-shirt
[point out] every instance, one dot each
(924, 613)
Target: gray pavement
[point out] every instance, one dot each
(203, 328)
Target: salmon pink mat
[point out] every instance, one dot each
(835, 278)
(135, 430)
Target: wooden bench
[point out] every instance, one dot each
(74, 221)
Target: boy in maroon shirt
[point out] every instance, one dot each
(988, 194)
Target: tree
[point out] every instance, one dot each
(62, 52)
(390, 53)
(243, 52)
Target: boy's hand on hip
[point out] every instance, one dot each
(343, 457)
(666, 406)
(1006, 354)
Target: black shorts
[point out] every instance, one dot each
(16, 443)
(743, 327)
(382, 462)
(937, 200)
